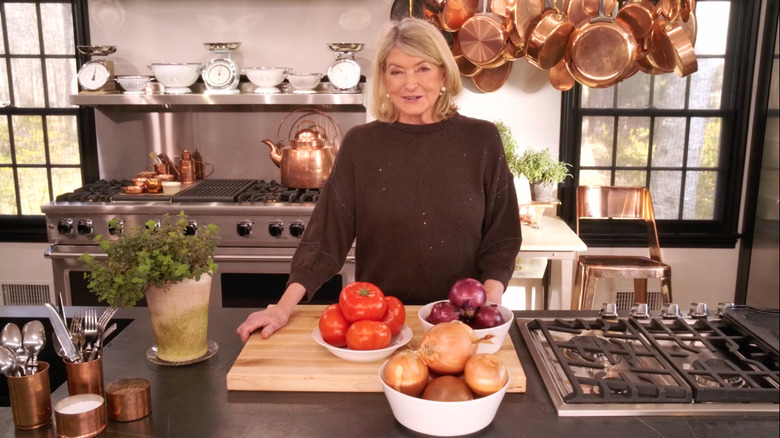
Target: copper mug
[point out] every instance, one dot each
(31, 398)
(85, 377)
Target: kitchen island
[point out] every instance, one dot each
(192, 401)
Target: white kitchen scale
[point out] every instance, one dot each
(96, 76)
(344, 72)
(221, 74)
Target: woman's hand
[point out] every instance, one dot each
(494, 290)
(272, 318)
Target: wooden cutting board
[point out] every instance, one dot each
(291, 360)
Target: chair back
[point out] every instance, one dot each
(619, 202)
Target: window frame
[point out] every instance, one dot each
(32, 228)
(721, 232)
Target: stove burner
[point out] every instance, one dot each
(593, 349)
(98, 191)
(717, 371)
(272, 191)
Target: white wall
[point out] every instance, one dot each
(294, 33)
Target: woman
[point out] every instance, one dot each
(423, 191)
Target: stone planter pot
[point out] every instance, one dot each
(179, 314)
(542, 192)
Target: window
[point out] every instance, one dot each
(683, 138)
(40, 152)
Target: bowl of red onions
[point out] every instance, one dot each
(468, 303)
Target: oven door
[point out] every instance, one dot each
(246, 277)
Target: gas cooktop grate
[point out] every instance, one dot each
(214, 190)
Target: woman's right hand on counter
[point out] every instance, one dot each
(272, 318)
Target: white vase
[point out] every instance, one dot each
(179, 314)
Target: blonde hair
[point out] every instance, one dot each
(418, 38)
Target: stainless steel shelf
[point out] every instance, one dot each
(320, 98)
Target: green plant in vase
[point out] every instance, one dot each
(544, 172)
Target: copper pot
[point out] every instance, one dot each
(638, 15)
(548, 36)
(449, 14)
(488, 80)
(482, 39)
(518, 15)
(672, 50)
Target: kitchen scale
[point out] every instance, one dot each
(344, 72)
(221, 73)
(97, 75)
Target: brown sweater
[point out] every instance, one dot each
(425, 204)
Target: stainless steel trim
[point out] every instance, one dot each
(219, 99)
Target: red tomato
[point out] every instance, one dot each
(333, 326)
(368, 335)
(395, 316)
(362, 300)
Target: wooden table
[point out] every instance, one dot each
(555, 241)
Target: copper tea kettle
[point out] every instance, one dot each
(307, 163)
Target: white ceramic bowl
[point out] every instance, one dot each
(176, 76)
(397, 342)
(499, 332)
(442, 418)
(304, 81)
(265, 76)
(133, 83)
(171, 187)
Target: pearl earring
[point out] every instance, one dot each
(443, 89)
(387, 96)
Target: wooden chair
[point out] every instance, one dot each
(620, 203)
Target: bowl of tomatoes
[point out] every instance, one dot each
(364, 326)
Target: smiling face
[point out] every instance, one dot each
(413, 85)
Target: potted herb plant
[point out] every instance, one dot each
(172, 269)
(544, 172)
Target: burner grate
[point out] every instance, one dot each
(214, 190)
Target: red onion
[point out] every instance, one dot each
(468, 294)
(488, 316)
(443, 311)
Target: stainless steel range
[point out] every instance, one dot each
(260, 222)
(668, 364)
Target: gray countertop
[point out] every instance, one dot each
(192, 401)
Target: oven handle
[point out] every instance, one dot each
(51, 253)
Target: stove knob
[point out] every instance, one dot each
(65, 226)
(191, 229)
(699, 310)
(275, 228)
(84, 226)
(722, 308)
(672, 311)
(296, 228)
(116, 227)
(639, 311)
(244, 228)
(609, 310)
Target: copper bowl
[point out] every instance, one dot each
(128, 399)
(133, 189)
(140, 181)
(165, 176)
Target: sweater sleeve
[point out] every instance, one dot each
(501, 229)
(331, 228)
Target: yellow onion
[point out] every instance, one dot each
(485, 374)
(447, 346)
(406, 372)
(447, 388)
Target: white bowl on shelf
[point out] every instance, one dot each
(440, 418)
(498, 332)
(398, 341)
(133, 84)
(176, 77)
(266, 78)
(304, 82)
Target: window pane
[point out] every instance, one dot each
(5, 142)
(706, 84)
(57, 28)
(5, 96)
(634, 92)
(65, 180)
(596, 141)
(704, 142)
(669, 91)
(668, 142)
(597, 97)
(28, 83)
(665, 190)
(633, 141)
(28, 140)
(595, 178)
(7, 191)
(713, 20)
(33, 188)
(774, 98)
(61, 80)
(700, 195)
(630, 178)
(63, 140)
(23, 23)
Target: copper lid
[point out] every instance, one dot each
(482, 38)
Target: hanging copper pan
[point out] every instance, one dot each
(690, 27)
(672, 50)
(686, 9)
(600, 51)
(488, 80)
(644, 62)
(519, 14)
(482, 38)
(638, 15)
(450, 14)
(669, 8)
(560, 78)
(580, 11)
(548, 36)
(466, 67)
